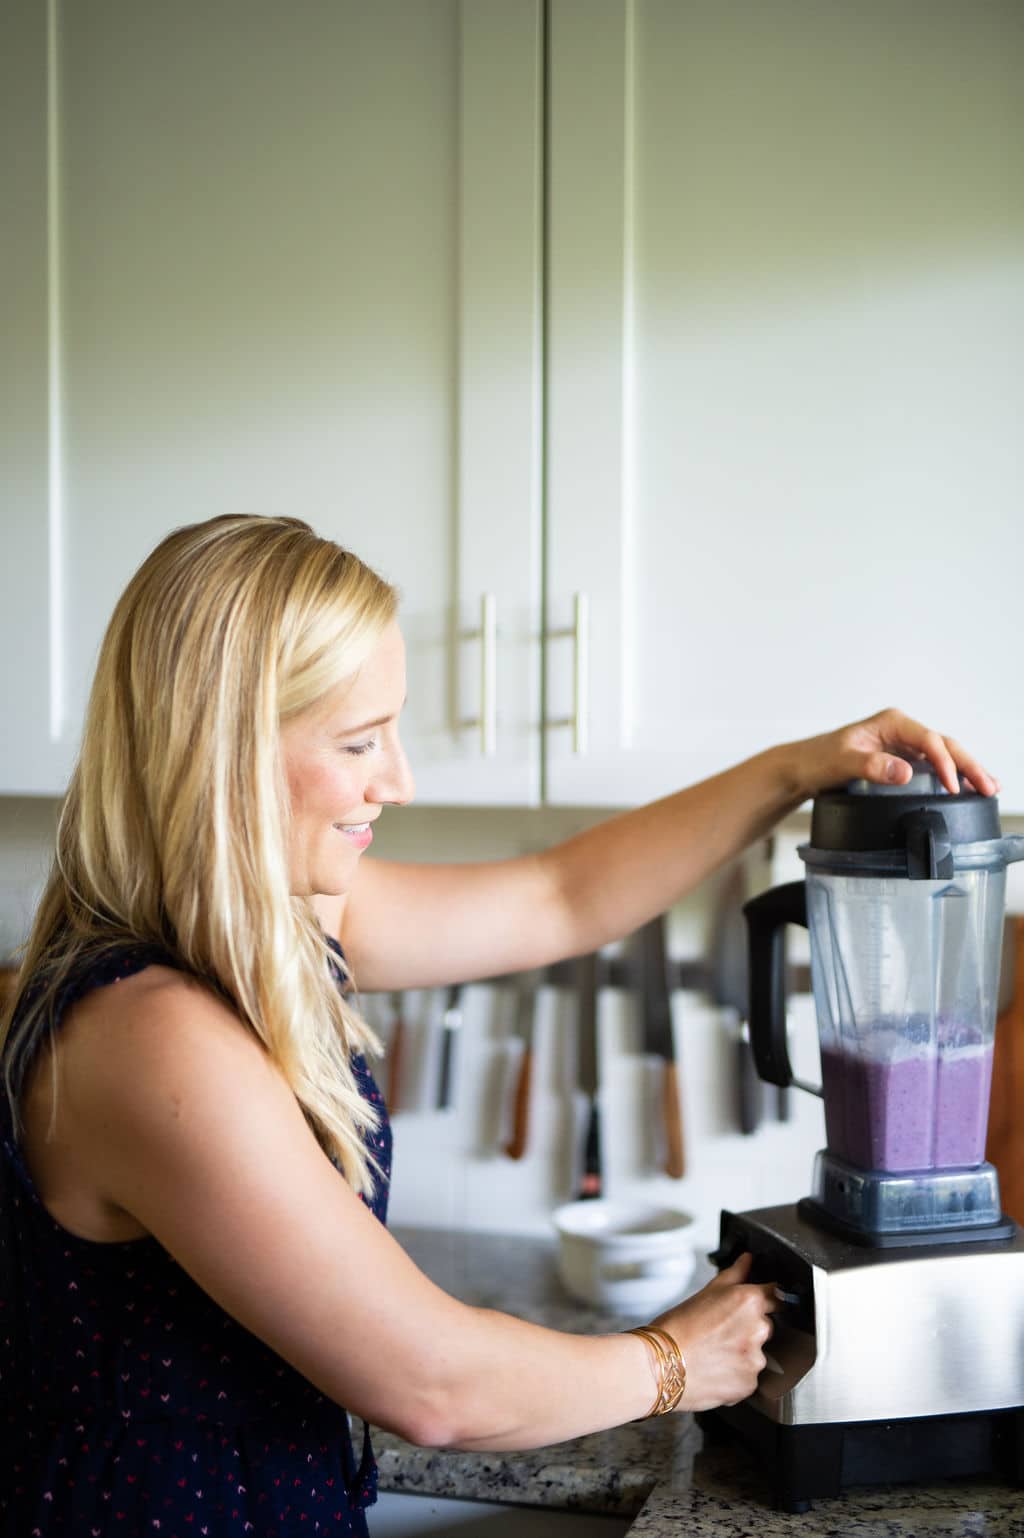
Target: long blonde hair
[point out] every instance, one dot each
(174, 831)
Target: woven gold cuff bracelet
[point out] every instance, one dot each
(671, 1369)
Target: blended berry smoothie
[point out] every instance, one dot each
(912, 1110)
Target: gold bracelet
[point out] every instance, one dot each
(671, 1369)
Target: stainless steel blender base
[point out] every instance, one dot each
(883, 1364)
(879, 1334)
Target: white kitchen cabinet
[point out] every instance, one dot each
(785, 391)
(294, 267)
(734, 309)
(29, 757)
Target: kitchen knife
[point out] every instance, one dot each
(730, 989)
(451, 1024)
(587, 1074)
(658, 1038)
(526, 1003)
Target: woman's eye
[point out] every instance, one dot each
(360, 747)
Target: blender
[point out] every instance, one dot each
(898, 1349)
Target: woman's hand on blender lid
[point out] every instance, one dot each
(878, 749)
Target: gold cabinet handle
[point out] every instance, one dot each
(487, 635)
(579, 631)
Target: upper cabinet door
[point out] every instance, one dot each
(786, 322)
(297, 272)
(30, 757)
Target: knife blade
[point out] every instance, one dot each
(451, 1024)
(526, 1003)
(587, 1076)
(658, 1038)
(730, 989)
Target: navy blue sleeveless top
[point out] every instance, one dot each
(132, 1404)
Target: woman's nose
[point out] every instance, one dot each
(393, 784)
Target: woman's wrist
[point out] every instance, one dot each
(644, 1378)
(789, 771)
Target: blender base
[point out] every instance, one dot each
(810, 1462)
(885, 1365)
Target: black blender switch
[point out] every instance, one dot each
(726, 1255)
(765, 1269)
(796, 1303)
(733, 1241)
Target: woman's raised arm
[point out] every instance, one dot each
(408, 926)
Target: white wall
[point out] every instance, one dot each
(27, 828)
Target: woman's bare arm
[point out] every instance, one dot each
(406, 926)
(186, 1124)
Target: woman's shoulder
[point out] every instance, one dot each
(123, 1063)
(152, 1020)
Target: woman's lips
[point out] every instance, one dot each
(358, 833)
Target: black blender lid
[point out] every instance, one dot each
(911, 829)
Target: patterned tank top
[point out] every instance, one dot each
(132, 1404)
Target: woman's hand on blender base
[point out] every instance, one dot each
(721, 1332)
(871, 750)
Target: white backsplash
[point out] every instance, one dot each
(451, 1167)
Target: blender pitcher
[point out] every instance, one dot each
(903, 899)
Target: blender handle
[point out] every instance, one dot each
(767, 917)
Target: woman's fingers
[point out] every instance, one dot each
(903, 734)
(975, 772)
(738, 1271)
(895, 732)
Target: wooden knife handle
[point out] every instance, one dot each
(521, 1107)
(394, 1066)
(590, 1181)
(675, 1163)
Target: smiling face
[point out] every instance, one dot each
(343, 762)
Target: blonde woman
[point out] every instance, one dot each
(195, 1275)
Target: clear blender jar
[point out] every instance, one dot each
(904, 900)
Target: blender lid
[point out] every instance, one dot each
(918, 830)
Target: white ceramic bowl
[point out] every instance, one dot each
(623, 1256)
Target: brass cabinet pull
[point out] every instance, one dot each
(487, 634)
(579, 630)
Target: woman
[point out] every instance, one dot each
(190, 1292)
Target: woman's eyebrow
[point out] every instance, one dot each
(351, 731)
(365, 726)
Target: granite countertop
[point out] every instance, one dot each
(656, 1471)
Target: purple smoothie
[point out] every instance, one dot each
(961, 1121)
(916, 1111)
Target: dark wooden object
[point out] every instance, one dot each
(1006, 1122)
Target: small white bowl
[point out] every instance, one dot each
(623, 1256)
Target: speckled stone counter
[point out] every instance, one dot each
(657, 1471)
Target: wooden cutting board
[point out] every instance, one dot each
(1005, 1123)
